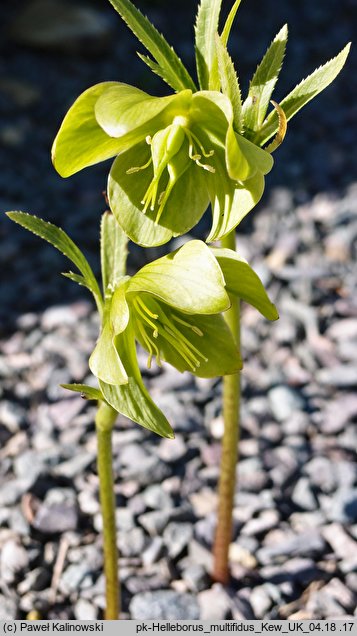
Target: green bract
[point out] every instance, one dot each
(175, 154)
(175, 318)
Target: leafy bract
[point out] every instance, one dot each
(303, 93)
(113, 251)
(170, 65)
(242, 281)
(61, 241)
(229, 83)
(86, 391)
(105, 362)
(263, 83)
(132, 399)
(229, 22)
(206, 57)
(188, 279)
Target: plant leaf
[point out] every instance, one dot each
(88, 392)
(303, 93)
(76, 278)
(188, 279)
(205, 46)
(229, 83)
(242, 281)
(263, 82)
(132, 399)
(229, 22)
(176, 75)
(113, 250)
(61, 241)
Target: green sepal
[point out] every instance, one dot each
(105, 362)
(80, 141)
(216, 351)
(173, 70)
(113, 251)
(230, 201)
(244, 159)
(302, 94)
(184, 208)
(242, 281)
(132, 399)
(124, 109)
(86, 391)
(206, 56)
(61, 241)
(263, 82)
(189, 280)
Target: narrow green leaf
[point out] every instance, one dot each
(303, 93)
(113, 250)
(242, 281)
(76, 278)
(61, 241)
(206, 57)
(263, 82)
(229, 83)
(175, 73)
(132, 399)
(229, 22)
(86, 391)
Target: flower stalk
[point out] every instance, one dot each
(104, 421)
(230, 446)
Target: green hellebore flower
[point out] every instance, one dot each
(175, 155)
(172, 308)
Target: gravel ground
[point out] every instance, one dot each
(294, 552)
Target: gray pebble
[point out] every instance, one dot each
(8, 608)
(131, 543)
(303, 496)
(164, 605)
(284, 401)
(342, 506)
(155, 497)
(13, 560)
(304, 544)
(12, 416)
(196, 577)
(153, 552)
(154, 522)
(58, 512)
(214, 603)
(176, 537)
(85, 611)
(260, 601)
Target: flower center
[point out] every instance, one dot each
(151, 326)
(165, 153)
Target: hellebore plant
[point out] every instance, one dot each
(173, 157)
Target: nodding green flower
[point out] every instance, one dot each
(172, 308)
(174, 156)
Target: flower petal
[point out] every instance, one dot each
(132, 399)
(188, 279)
(80, 141)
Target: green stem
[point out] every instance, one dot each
(230, 443)
(104, 421)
